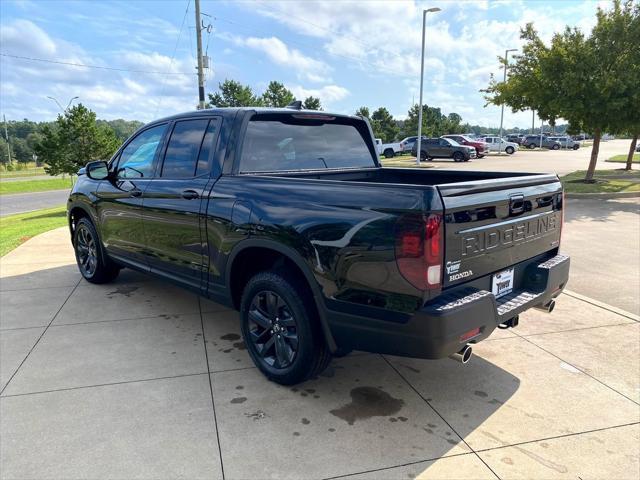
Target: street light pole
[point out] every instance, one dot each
(419, 141)
(60, 106)
(506, 64)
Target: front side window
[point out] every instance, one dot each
(136, 159)
(181, 158)
(279, 143)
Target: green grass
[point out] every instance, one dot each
(403, 161)
(606, 181)
(623, 158)
(17, 229)
(27, 186)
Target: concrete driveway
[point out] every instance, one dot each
(139, 379)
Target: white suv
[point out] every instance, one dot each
(497, 144)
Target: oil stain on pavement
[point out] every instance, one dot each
(367, 402)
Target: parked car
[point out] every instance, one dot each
(288, 217)
(389, 150)
(479, 145)
(514, 138)
(443, 148)
(497, 144)
(566, 142)
(536, 141)
(408, 143)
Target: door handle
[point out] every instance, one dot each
(190, 194)
(136, 192)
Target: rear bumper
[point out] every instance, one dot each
(436, 329)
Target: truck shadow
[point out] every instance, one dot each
(366, 411)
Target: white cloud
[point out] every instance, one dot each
(328, 93)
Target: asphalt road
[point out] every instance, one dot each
(27, 202)
(603, 239)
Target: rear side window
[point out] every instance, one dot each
(182, 156)
(278, 143)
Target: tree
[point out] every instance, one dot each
(363, 112)
(233, 94)
(311, 103)
(591, 81)
(453, 124)
(383, 125)
(434, 122)
(73, 140)
(277, 95)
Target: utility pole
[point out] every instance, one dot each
(506, 65)
(6, 136)
(533, 121)
(201, 104)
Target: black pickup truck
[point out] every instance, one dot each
(287, 216)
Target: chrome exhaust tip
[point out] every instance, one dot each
(463, 356)
(548, 307)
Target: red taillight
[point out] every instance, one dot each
(470, 334)
(419, 250)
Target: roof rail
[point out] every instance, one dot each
(295, 105)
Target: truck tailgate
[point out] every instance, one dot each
(491, 225)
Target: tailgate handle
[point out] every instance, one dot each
(516, 203)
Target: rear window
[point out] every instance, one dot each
(283, 142)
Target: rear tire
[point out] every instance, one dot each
(94, 264)
(531, 146)
(576, 147)
(389, 153)
(555, 147)
(281, 328)
(509, 150)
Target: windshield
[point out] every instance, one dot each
(284, 142)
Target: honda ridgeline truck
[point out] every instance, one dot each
(287, 216)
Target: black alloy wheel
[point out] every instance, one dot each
(458, 157)
(86, 251)
(93, 262)
(273, 330)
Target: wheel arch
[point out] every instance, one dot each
(269, 253)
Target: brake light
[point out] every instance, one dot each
(419, 250)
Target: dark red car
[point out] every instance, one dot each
(481, 147)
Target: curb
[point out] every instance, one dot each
(603, 195)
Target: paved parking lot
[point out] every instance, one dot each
(139, 379)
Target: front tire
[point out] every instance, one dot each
(281, 328)
(94, 264)
(458, 157)
(509, 150)
(576, 147)
(531, 146)
(555, 147)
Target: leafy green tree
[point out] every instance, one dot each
(453, 124)
(383, 125)
(591, 81)
(277, 95)
(233, 94)
(74, 139)
(434, 122)
(363, 112)
(312, 103)
(122, 129)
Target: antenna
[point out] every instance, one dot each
(295, 105)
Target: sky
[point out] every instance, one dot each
(348, 53)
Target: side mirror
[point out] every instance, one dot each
(98, 170)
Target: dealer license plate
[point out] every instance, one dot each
(502, 283)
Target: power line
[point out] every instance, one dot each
(175, 49)
(83, 65)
